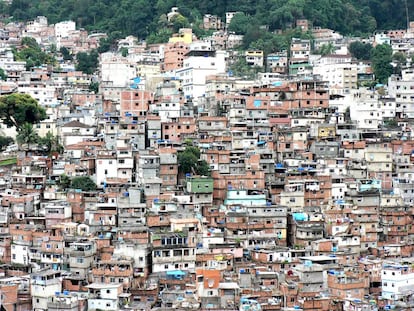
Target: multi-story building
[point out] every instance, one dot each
(397, 281)
(81, 257)
(44, 285)
(197, 66)
(174, 251)
(104, 296)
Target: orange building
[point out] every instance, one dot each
(135, 103)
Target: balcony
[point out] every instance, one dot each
(74, 252)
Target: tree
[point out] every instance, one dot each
(32, 54)
(240, 23)
(399, 59)
(3, 75)
(381, 57)
(27, 135)
(240, 68)
(17, 109)
(94, 87)
(189, 162)
(87, 62)
(50, 143)
(179, 21)
(124, 51)
(85, 183)
(361, 51)
(5, 141)
(65, 53)
(64, 181)
(326, 49)
(161, 36)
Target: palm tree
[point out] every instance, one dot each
(27, 135)
(50, 143)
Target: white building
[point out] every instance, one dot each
(116, 70)
(63, 30)
(341, 76)
(19, 254)
(45, 95)
(44, 285)
(75, 132)
(402, 89)
(197, 66)
(397, 281)
(365, 111)
(106, 167)
(125, 163)
(104, 296)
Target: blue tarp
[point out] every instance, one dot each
(175, 272)
(300, 216)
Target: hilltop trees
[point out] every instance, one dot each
(139, 17)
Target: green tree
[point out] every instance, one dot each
(381, 57)
(124, 51)
(189, 162)
(399, 57)
(17, 109)
(27, 135)
(241, 69)
(64, 182)
(326, 49)
(87, 62)
(85, 183)
(161, 36)
(32, 54)
(50, 143)
(361, 51)
(240, 23)
(179, 21)
(105, 45)
(65, 53)
(5, 141)
(3, 75)
(400, 60)
(94, 87)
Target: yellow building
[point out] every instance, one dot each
(184, 35)
(326, 131)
